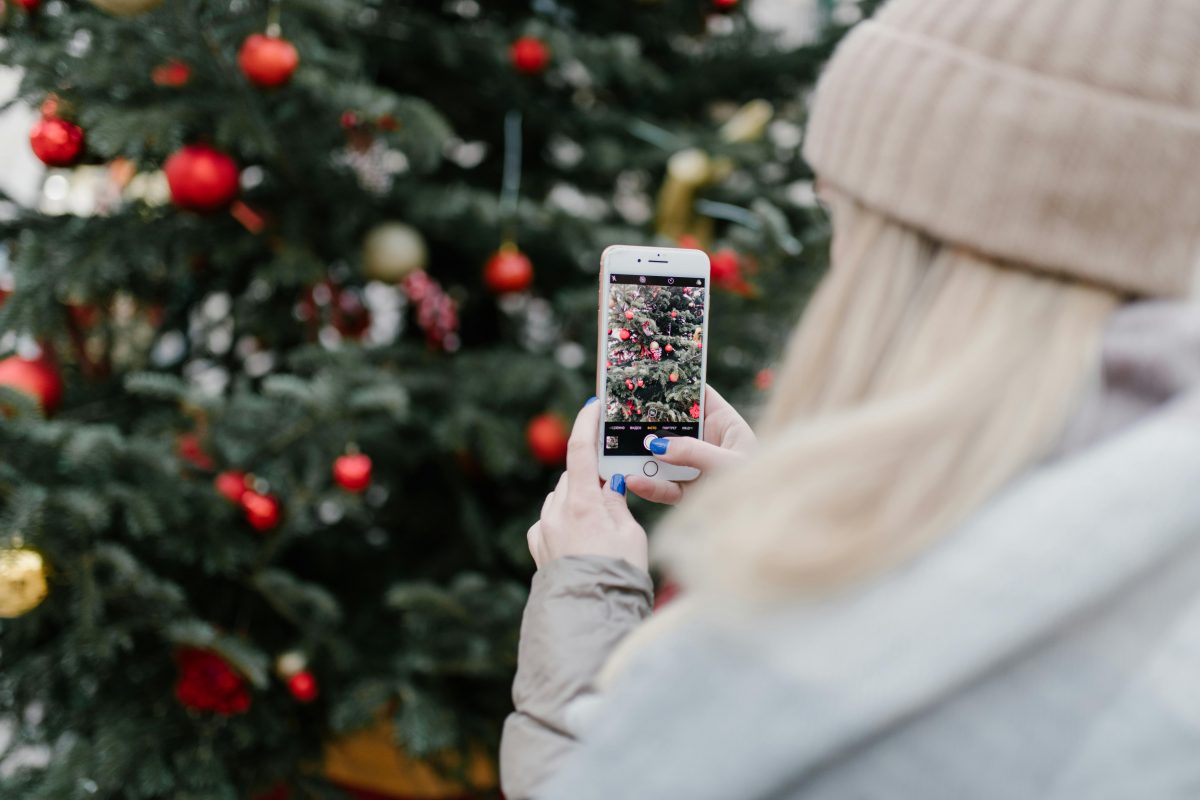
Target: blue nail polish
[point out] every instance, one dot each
(659, 446)
(617, 484)
(589, 401)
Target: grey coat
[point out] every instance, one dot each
(1048, 648)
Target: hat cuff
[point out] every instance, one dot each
(1021, 166)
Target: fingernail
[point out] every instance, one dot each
(589, 401)
(617, 484)
(659, 446)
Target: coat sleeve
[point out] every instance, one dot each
(579, 609)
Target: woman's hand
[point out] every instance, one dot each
(583, 516)
(727, 441)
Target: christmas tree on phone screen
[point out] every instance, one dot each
(655, 353)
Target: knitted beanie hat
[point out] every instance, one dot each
(1060, 134)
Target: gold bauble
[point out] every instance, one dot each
(22, 581)
(369, 759)
(126, 8)
(392, 251)
(749, 122)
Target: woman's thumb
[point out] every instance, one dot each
(614, 492)
(688, 452)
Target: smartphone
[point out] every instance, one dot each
(652, 355)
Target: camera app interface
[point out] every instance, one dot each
(655, 353)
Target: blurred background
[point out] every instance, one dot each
(298, 299)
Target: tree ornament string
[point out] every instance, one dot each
(274, 30)
(510, 181)
(509, 270)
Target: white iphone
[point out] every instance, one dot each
(652, 356)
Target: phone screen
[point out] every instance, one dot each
(654, 365)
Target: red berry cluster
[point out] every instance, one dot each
(437, 314)
(261, 510)
(208, 683)
(342, 307)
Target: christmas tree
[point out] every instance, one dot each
(654, 353)
(288, 344)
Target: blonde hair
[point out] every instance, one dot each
(921, 378)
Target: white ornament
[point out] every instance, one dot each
(289, 663)
(690, 166)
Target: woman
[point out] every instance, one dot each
(964, 559)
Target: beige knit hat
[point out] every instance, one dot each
(1060, 134)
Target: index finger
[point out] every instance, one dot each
(714, 403)
(583, 465)
(718, 415)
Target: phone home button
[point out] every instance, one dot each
(650, 468)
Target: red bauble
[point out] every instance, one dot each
(608, 364)
(208, 683)
(764, 379)
(695, 411)
(629, 384)
(261, 510)
(192, 451)
(352, 472)
(173, 73)
(547, 437)
(726, 268)
(267, 61)
(508, 270)
(56, 142)
(674, 313)
(623, 334)
(201, 178)
(673, 377)
(725, 5)
(28, 5)
(36, 377)
(303, 686)
(529, 55)
(669, 349)
(628, 315)
(640, 383)
(231, 484)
